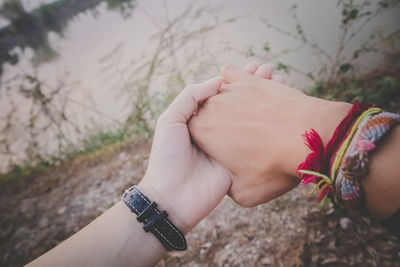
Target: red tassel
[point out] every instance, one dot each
(314, 160)
(342, 131)
(319, 159)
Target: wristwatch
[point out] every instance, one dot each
(154, 220)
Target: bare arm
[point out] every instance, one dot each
(382, 184)
(180, 178)
(113, 239)
(254, 128)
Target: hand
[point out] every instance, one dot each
(181, 178)
(254, 128)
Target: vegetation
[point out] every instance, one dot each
(337, 77)
(21, 175)
(380, 86)
(49, 104)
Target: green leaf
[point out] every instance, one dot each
(266, 47)
(345, 67)
(299, 29)
(353, 14)
(283, 67)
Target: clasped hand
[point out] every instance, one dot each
(234, 134)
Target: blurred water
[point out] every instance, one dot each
(89, 37)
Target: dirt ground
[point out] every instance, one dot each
(289, 231)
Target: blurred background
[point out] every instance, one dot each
(82, 83)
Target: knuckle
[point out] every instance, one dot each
(226, 68)
(246, 203)
(242, 199)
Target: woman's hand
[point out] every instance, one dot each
(181, 178)
(254, 128)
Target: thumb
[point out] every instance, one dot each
(186, 103)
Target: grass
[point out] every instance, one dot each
(97, 140)
(21, 175)
(98, 145)
(380, 86)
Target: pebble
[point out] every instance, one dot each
(344, 223)
(62, 210)
(44, 222)
(269, 260)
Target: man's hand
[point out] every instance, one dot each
(254, 128)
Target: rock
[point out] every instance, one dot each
(44, 222)
(269, 240)
(314, 259)
(332, 245)
(207, 245)
(345, 223)
(62, 210)
(330, 211)
(22, 232)
(205, 249)
(122, 156)
(268, 260)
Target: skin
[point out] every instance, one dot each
(180, 178)
(189, 184)
(382, 184)
(254, 128)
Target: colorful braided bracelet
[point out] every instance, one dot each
(317, 166)
(338, 176)
(354, 167)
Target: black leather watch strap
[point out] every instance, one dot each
(154, 220)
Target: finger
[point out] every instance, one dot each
(250, 67)
(232, 74)
(225, 87)
(264, 71)
(278, 79)
(186, 103)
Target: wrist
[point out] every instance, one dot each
(321, 115)
(165, 202)
(327, 115)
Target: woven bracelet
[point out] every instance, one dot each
(354, 167)
(338, 168)
(317, 166)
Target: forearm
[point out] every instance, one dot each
(113, 239)
(180, 179)
(382, 184)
